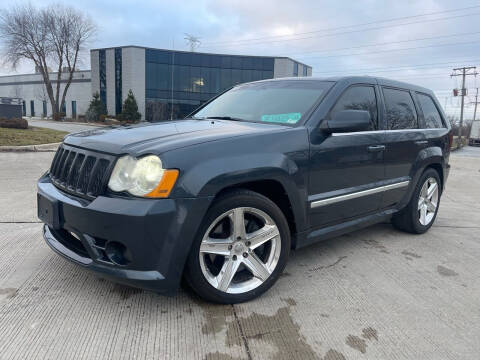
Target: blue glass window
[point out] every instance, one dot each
(236, 62)
(196, 78)
(103, 76)
(74, 109)
(268, 64)
(118, 81)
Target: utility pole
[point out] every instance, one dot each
(463, 72)
(476, 103)
(474, 112)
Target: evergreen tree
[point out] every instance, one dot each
(95, 109)
(130, 109)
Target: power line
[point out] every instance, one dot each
(387, 43)
(391, 50)
(433, 76)
(397, 68)
(476, 103)
(348, 26)
(249, 43)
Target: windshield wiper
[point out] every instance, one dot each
(224, 118)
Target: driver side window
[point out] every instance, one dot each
(359, 98)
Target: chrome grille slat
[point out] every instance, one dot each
(81, 172)
(66, 166)
(73, 175)
(61, 164)
(55, 161)
(97, 177)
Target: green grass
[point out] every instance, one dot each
(30, 136)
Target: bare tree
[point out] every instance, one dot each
(56, 35)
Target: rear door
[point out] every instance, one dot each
(346, 169)
(403, 139)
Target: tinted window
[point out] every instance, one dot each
(359, 98)
(268, 102)
(430, 112)
(401, 112)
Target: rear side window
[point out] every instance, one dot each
(430, 112)
(400, 108)
(359, 98)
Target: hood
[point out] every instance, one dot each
(164, 136)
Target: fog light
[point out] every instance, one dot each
(118, 253)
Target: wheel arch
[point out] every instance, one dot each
(275, 191)
(431, 157)
(427, 158)
(439, 169)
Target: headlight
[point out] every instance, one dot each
(142, 177)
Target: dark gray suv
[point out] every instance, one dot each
(220, 198)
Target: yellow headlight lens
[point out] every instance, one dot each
(142, 177)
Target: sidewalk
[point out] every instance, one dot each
(68, 126)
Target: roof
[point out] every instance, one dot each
(201, 53)
(379, 80)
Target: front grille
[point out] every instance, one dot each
(81, 172)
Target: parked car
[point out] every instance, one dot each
(221, 197)
(474, 139)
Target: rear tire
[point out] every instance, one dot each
(420, 213)
(255, 252)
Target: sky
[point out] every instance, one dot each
(415, 41)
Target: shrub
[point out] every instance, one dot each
(14, 123)
(130, 109)
(96, 109)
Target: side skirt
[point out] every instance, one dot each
(310, 237)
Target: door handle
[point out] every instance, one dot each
(376, 148)
(421, 142)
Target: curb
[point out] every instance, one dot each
(31, 148)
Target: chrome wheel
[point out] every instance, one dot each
(428, 201)
(240, 250)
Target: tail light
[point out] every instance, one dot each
(450, 139)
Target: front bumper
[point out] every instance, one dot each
(156, 233)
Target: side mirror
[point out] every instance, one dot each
(348, 121)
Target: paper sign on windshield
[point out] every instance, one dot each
(290, 118)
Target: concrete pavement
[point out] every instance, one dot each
(373, 294)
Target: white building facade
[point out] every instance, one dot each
(31, 88)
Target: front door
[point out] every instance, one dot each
(347, 169)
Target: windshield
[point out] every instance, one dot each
(282, 102)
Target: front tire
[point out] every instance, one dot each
(240, 250)
(420, 213)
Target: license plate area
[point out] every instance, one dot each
(48, 211)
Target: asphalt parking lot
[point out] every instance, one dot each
(373, 294)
